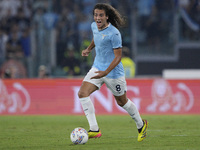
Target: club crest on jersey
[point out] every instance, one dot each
(103, 36)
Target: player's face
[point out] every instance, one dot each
(100, 18)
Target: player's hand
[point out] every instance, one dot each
(99, 75)
(85, 52)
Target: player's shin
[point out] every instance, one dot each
(89, 111)
(131, 108)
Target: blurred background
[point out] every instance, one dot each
(44, 38)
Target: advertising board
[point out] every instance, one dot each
(60, 97)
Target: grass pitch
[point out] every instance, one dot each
(118, 133)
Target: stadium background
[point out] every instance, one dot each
(48, 35)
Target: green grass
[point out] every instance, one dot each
(119, 133)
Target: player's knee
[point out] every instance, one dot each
(82, 94)
(120, 103)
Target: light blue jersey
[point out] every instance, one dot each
(105, 42)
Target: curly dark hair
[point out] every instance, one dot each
(114, 17)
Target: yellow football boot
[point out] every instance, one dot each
(143, 132)
(94, 134)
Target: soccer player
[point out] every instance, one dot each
(107, 68)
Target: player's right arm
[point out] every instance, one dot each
(86, 51)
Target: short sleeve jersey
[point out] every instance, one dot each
(106, 41)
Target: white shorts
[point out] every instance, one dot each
(117, 86)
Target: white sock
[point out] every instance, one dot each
(134, 113)
(89, 111)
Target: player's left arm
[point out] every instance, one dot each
(114, 63)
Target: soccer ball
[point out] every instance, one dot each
(79, 136)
